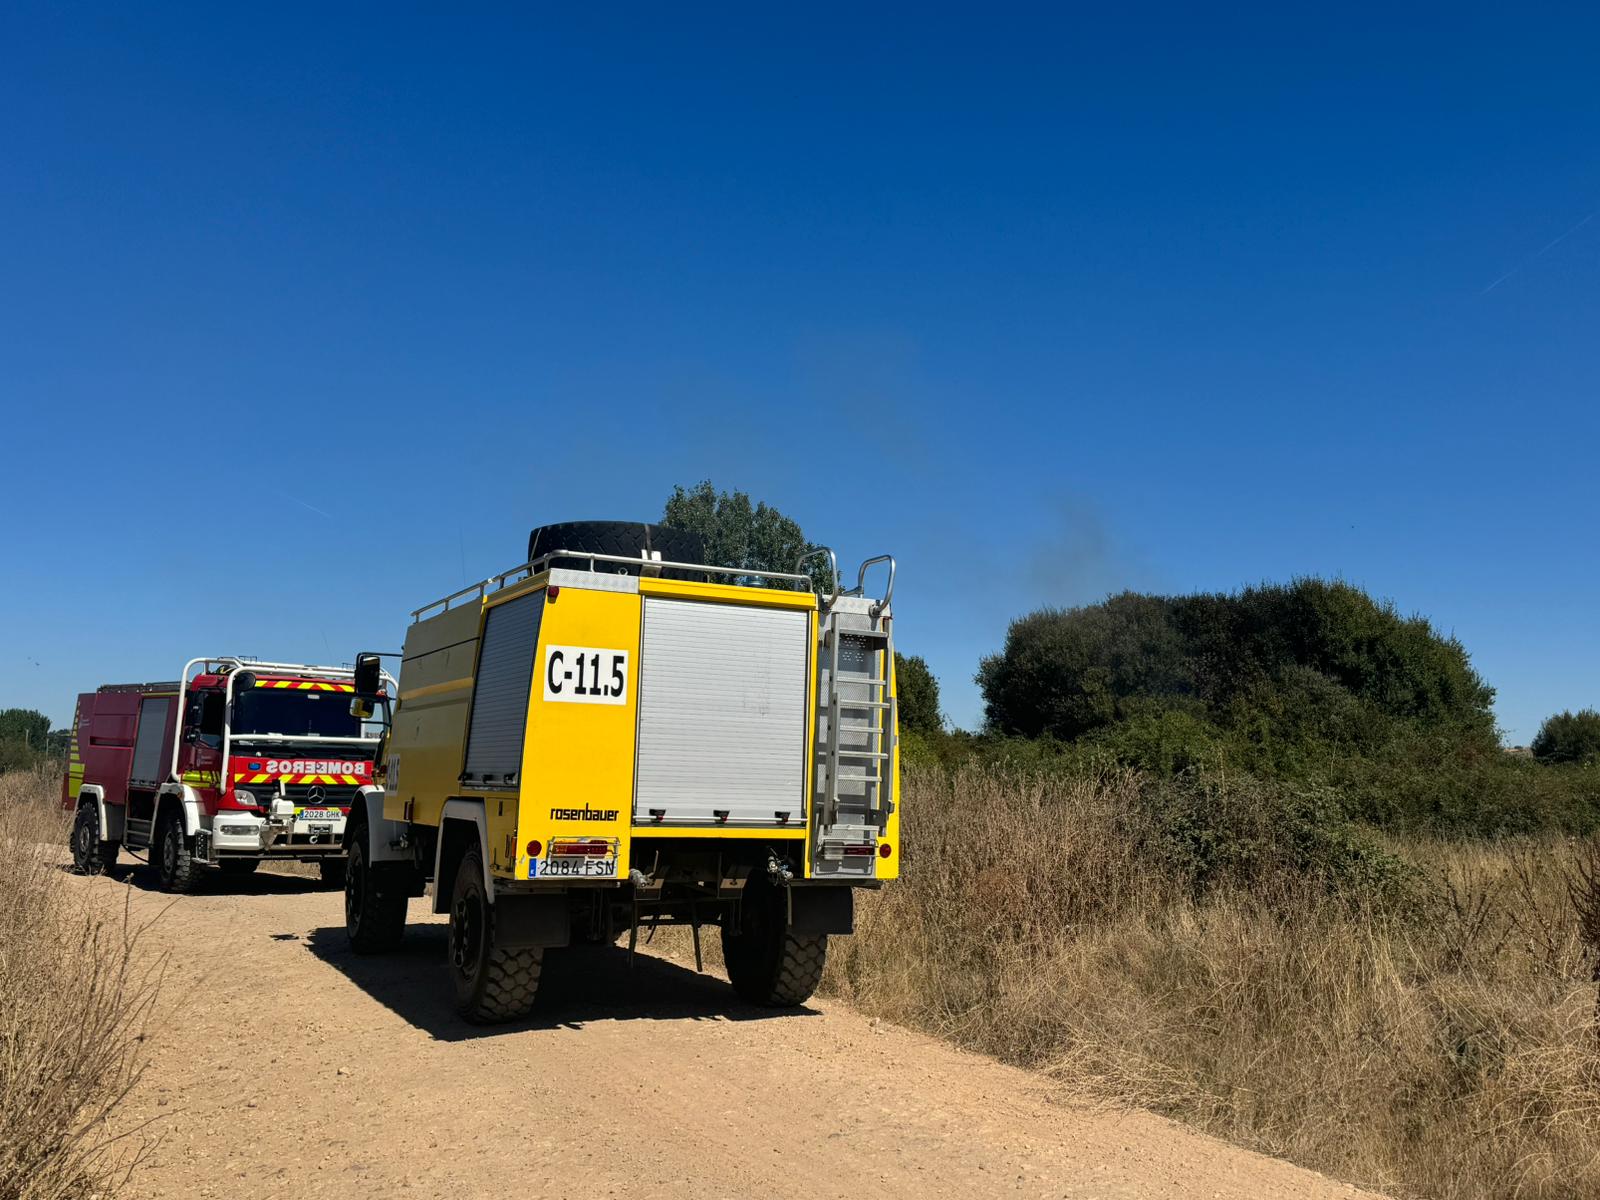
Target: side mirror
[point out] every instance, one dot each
(368, 674)
(191, 735)
(362, 708)
(244, 681)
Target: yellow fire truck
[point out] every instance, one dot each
(614, 735)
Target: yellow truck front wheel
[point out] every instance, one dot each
(375, 898)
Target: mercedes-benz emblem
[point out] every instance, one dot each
(315, 793)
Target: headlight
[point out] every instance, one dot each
(240, 796)
(237, 830)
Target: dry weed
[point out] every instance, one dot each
(1436, 1042)
(74, 999)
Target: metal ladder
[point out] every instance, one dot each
(872, 720)
(868, 722)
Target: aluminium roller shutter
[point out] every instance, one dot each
(150, 764)
(723, 700)
(500, 691)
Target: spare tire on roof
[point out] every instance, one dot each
(626, 539)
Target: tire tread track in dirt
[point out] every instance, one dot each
(286, 1066)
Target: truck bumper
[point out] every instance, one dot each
(241, 833)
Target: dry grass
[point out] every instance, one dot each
(74, 998)
(1436, 1042)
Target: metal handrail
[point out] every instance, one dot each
(861, 582)
(833, 564)
(535, 565)
(258, 664)
(238, 663)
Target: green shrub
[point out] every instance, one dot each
(1314, 684)
(1569, 737)
(1065, 672)
(1211, 828)
(1163, 740)
(1311, 660)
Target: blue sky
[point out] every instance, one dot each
(310, 313)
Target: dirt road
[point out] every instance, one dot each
(285, 1066)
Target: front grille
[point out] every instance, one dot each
(330, 796)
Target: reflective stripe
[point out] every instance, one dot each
(307, 685)
(335, 780)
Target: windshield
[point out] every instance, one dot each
(293, 713)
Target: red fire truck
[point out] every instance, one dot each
(235, 762)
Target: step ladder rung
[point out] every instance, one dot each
(856, 721)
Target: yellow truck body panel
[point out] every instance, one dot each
(579, 759)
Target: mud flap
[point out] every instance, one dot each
(524, 922)
(816, 910)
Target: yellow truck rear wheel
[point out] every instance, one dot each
(768, 963)
(492, 984)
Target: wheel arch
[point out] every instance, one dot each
(96, 795)
(179, 798)
(460, 824)
(381, 833)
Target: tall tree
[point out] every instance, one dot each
(24, 725)
(24, 737)
(742, 535)
(918, 694)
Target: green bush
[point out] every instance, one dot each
(1313, 684)
(1311, 660)
(1065, 672)
(1209, 829)
(1569, 737)
(1162, 740)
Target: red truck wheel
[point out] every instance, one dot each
(91, 854)
(175, 865)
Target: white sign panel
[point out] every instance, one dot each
(585, 675)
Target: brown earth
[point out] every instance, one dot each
(285, 1066)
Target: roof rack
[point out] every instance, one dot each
(241, 662)
(532, 567)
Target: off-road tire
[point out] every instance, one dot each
(332, 873)
(492, 985)
(238, 866)
(625, 539)
(375, 897)
(767, 964)
(176, 869)
(91, 854)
